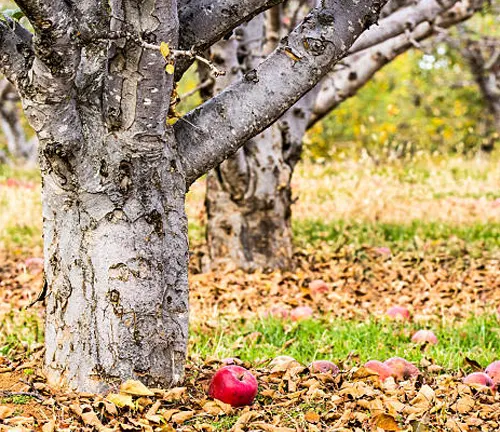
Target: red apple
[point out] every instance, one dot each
(279, 312)
(324, 366)
(301, 313)
(381, 369)
(398, 312)
(402, 369)
(479, 378)
(318, 286)
(382, 250)
(493, 371)
(233, 385)
(423, 336)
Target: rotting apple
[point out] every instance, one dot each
(233, 385)
(398, 312)
(318, 286)
(402, 369)
(425, 336)
(324, 366)
(301, 313)
(479, 378)
(381, 369)
(493, 371)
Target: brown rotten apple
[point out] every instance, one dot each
(402, 369)
(479, 378)
(398, 312)
(381, 369)
(493, 371)
(324, 366)
(233, 385)
(425, 336)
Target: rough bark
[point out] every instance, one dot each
(114, 176)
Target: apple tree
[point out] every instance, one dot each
(96, 81)
(249, 195)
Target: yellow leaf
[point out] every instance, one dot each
(135, 388)
(312, 417)
(386, 422)
(170, 68)
(120, 400)
(164, 49)
(172, 120)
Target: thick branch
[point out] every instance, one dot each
(55, 35)
(216, 129)
(204, 22)
(407, 18)
(358, 68)
(16, 52)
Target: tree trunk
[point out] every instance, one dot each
(249, 196)
(116, 251)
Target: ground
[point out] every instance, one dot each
(425, 236)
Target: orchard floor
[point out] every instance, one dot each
(425, 237)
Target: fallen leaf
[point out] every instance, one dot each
(135, 388)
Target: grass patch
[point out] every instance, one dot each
(350, 342)
(19, 331)
(17, 399)
(409, 236)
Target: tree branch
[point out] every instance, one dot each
(358, 68)
(406, 18)
(16, 52)
(204, 22)
(227, 121)
(55, 34)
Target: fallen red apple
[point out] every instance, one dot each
(479, 378)
(402, 369)
(383, 250)
(324, 366)
(318, 286)
(279, 312)
(301, 313)
(398, 312)
(233, 385)
(493, 371)
(425, 336)
(381, 369)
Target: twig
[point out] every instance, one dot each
(186, 53)
(201, 86)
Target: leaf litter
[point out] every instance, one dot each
(291, 397)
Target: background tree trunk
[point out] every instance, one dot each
(249, 195)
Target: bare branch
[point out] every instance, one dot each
(358, 68)
(16, 52)
(227, 121)
(401, 20)
(204, 22)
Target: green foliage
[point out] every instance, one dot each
(418, 104)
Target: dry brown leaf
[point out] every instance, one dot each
(465, 404)
(135, 388)
(50, 426)
(6, 412)
(182, 416)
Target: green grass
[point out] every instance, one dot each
(19, 330)
(16, 399)
(350, 342)
(397, 236)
